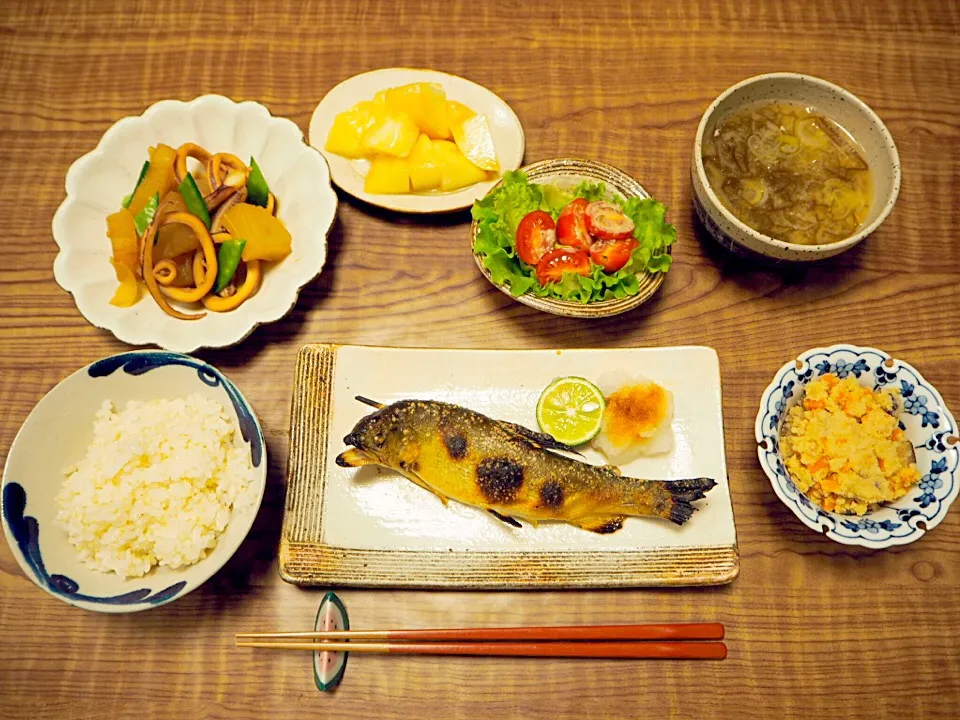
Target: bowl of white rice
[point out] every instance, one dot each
(133, 481)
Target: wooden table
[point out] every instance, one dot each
(814, 628)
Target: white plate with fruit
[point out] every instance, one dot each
(417, 141)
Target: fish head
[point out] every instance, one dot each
(379, 436)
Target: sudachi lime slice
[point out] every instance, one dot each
(570, 410)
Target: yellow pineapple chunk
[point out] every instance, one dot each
(457, 112)
(475, 141)
(455, 170)
(388, 175)
(346, 135)
(393, 134)
(425, 103)
(424, 166)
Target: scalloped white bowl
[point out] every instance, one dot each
(97, 182)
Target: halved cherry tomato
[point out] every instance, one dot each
(605, 221)
(555, 263)
(536, 235)
(612, 254)
(572, 226)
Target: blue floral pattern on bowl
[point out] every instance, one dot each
(26, 533)
(925, 419)
(138, 363)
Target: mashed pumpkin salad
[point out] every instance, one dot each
(843, 446)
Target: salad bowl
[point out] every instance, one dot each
(925, 420)
(34, 473)
(566, 174)
(98, 181)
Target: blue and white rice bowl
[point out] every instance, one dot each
(56, 435)
(926, 422)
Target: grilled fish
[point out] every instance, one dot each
(509, 470)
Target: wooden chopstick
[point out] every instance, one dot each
(665, 631)
(626, 650)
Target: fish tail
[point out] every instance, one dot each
(672, 499)
(683, 493)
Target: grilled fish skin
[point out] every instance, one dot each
(507, 469)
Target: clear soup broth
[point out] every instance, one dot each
(789, 172)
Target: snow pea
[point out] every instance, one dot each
(193, 199)
(228, 260)
(258, 192)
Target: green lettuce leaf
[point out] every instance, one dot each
(554, 199)
(591, 191)
(569, 286)
(660, 263)
(508, 205)
(506, 270)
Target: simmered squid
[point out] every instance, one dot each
(195, 236)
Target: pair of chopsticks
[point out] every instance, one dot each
(680, 641)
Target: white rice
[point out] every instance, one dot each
(157, 486)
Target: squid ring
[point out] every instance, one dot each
(165, 272)
(151, 281)
(204, 285)
(250, 284)
(183, 152)
(199, 271)
(237, 170)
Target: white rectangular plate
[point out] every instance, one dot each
(372, 527)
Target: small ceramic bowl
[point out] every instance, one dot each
(927, 424)
(98, 181)
(836, 103)
(567, 173)
(34, 474)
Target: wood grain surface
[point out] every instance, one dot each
(815, 629)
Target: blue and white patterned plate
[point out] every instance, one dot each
(925, 420)
(57, 433)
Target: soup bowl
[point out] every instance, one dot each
(844, 108)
